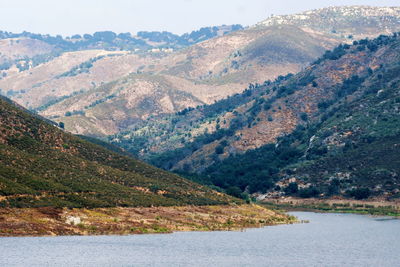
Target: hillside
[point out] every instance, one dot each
(331, 129)
(23, 51)
(40, 165)
(140, 85)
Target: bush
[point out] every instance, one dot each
(291, 189)
(309, 192)
(234, 191)
(360, 193)
(219, 149)
(324, 105)
(304, 116)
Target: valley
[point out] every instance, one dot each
(156, 132)
(54, 183)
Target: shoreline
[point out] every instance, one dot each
(376, 207)
(41, 222)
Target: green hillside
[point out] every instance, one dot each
(40, 165)
(349, 146)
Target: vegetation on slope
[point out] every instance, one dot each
(349, 148)
(40, 165)
(344, 140)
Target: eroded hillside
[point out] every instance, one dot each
(331, 129)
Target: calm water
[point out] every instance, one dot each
(328, 240)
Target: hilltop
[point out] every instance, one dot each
(98, 93)
(341, 20)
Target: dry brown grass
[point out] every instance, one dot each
(103, 221)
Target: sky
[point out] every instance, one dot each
(68, 17)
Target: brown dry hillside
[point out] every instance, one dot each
(18, 48)
(193, 139)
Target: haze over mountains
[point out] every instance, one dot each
(103, 92)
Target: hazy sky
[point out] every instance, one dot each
(68, 17)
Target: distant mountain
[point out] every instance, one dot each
(344, 21)
(101, 92)
(108, 40)
(41, 165)
(23, 51)
(332, 129)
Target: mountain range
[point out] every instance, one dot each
(102, 92)
(332, 129)
(302, 105)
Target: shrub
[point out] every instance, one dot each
(304, 116)
(360, 193)
(234, 191)
(309, 192)
(219, 149)
(292, 188)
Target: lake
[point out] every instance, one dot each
(328, 240)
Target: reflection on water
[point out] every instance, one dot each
(328, 240)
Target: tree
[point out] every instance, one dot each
(360, 193)
(219, 149)
(87, 36)
(309, 192)
(61, 125)
(234, 191)
(304, 116)
(292, 188)
(334, 187)
(106, 36)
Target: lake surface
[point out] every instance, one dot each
(328, 240)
